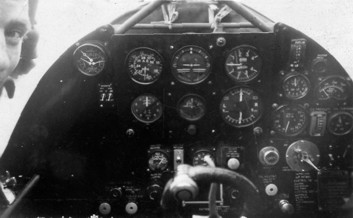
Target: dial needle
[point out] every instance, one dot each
(287, 126)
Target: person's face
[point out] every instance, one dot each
(14, 24)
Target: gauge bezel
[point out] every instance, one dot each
(143, 120)
(259, 101)
(296, 74)
(306, 123)
(180, 52)
(334, 116)
(255, 50)
(186, 97)
(204, 150)
(142, 49)
(344, 79)
(93, 44)
(165, 156)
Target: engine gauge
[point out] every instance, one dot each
(296, 86)
(333, 87)
(145, 65)
(191, 65)
(147, 108)
(199, 157)
(340, 123)
(90, 59)
(290, 120)
(192, 107)
(241, 107)
(243, 63)
(158, 161)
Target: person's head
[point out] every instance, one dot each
(14, 24)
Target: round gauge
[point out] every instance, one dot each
(90, 59)
(295, 86)
(340, 123)
(289, 120)
(158, 161)
(147, 108)
(191, 65)
(243, 63)
(333, 87)
(199, 157)
(145, 65)
(192, 107)
(241, 107)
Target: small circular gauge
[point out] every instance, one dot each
(303, 155)
(241, 107)
(147, 108)
(333, 87)
(145, 65)
(191, 65)
(243, 63)
(295, 86)
(90, 59)
(290, 120)
(340, 123)
(198, 158)
(158, 161)
(192, 107)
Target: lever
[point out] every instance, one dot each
(306, 158)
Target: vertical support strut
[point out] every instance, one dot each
(139, 16)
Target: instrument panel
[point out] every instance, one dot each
(275, 107)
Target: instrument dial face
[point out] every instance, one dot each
(191, 65)
(199, 158)
(145, 65)
(158, 161)
(340, 123)
(333, 87)
(296, 86)
(241, 107)
(243, 64)
(192, 107)
(290, 120)
(90, 59)
(147, 108)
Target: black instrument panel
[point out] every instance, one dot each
(112, 119)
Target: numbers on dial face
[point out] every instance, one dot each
(90, 59)
(340, 123)
(290, 120)
(191, 65)
(192, 107)
(333, 87)
(199, 158)
(147, 108)
(158, 161)
(243, 64)
(296, 86)
(241, 107)
(144, 65)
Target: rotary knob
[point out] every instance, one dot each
(154, 192)
(269, 156)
